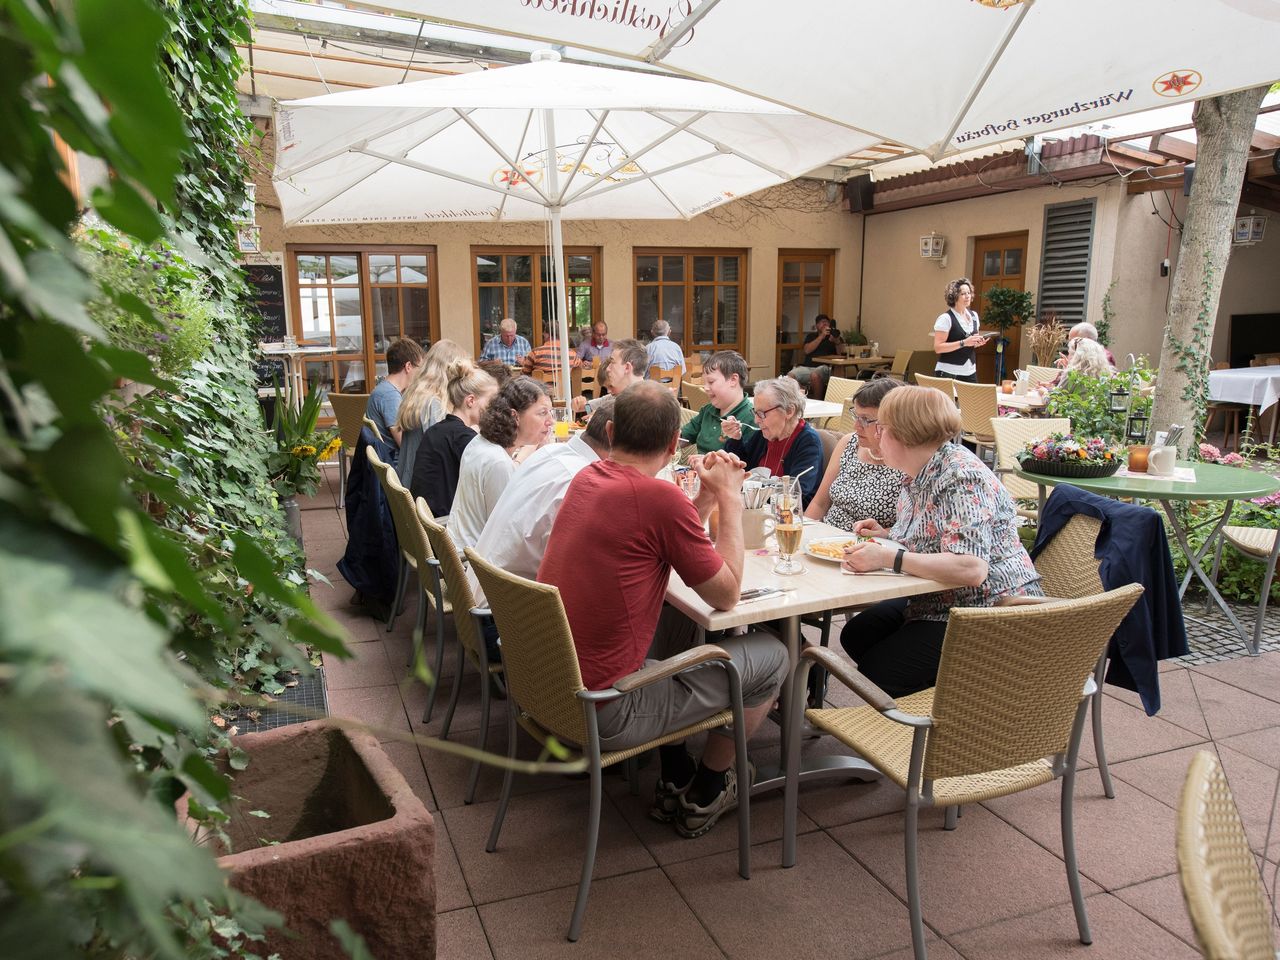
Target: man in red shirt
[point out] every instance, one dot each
(615, 618)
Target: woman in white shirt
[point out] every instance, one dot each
(955, 334)
(520, 415)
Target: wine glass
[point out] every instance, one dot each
(788, 516)
(689, 482)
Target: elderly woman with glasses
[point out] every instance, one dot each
(956, 524)
(858, 484)
(783, 442)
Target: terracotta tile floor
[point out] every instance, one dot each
(994, 888)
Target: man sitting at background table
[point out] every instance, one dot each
(663, 351)
(508, 346)
(1082, 331)
(627, 365)
(546, 355)
(404, 358)
(615, 618)
(597, 345)
(723, 377)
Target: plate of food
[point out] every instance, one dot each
(832, 548)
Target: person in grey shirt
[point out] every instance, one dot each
(663, 351)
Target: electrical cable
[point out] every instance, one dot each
(409, 63)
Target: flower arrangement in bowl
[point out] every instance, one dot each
(1066, 455)
(1211, 454)
(294, 466)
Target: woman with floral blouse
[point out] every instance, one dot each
(955, 524)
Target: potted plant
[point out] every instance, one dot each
(1046, 338)
(1006, 307)
(854, 340)
(294, 466)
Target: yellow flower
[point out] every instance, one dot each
(303, 450)
(1083, 454)
(333, 446)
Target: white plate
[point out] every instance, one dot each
(845, 539)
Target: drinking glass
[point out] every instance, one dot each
(689, 482)
(788, 516)
(564, 419)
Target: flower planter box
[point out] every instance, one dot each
(346, 838)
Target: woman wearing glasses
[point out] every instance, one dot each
(956, 524)
(784, 442)
(858, 484)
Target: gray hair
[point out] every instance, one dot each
(1085, 329)
(507, 324)
(660, 328)
(790, 397)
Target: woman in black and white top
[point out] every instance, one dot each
(955, 334)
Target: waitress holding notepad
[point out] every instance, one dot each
(955, 334)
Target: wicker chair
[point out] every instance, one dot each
(1039, 376)
(977, 406)
(366, 422)
(1068, 570)
(695, 395)
(1012, 691)
(545, 695)
(452, 580)
(945, 384)
(415, 556)
(348, 410)
(1012, 434)
(840, 389)
(1225, 896)
(1259, 544)
(898, 370)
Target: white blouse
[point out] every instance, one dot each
(484, 473)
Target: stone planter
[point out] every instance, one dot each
(347, 838)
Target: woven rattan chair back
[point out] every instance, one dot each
(366, 422)
(1039, 376)
(1012, 434)
(538, 656)
(1225, 896)
(1067, 565)
(840, 389)
(457, 588)
(1011, 678)
(945, 384)
(901, 360)
(695, 395)
(977, 406)
(348, 410)
(413, 539)
(379, 468)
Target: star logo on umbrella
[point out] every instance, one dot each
(508, 177)
(1176, 83)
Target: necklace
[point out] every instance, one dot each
(875, 457)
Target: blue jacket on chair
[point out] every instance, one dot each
(1133, 548)
(371, 562)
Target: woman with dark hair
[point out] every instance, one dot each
(955, 334)
(519, 415)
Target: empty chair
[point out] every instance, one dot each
(546, 696)
(695, 396)
(977, 406)
(945, 384)
(1040, 376)
(348, 410)
(693, 367)
(993, 725)
(667, 376)
(901, 360)
(840, 389)
(1257, 543)
(1012, 434)
(1225, 895)
(1230, 416)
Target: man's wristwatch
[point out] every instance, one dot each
(897, 559)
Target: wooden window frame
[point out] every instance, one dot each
(828, 258)
(536, 284)
(743, 283)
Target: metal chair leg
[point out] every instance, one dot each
(1069, 831)
(507, 777)
(1256, 647)
(342, 477)
(633, 776)
(402, 582)
(438, 595)
(1099, 747)
(589, 858)
(484, 737)
(951, 816)
(457, 689)
(743, 772)
(910, 834)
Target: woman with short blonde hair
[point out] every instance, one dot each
(783, 441)
(956, 524)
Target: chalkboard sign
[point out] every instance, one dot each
(266, 289)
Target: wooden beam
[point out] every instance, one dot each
(312, 78)
(1174, 148)
(1264, 141)
(1258, 195)
(1134, 153)
(366, 61)
(1168, 177)
(1260, 167)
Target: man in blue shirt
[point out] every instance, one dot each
(404, 359)
(663, 351)
(508, 346)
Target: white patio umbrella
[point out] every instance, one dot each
(544, 140)
(937, 75)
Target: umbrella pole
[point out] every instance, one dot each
(557, 251)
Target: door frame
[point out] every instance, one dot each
(827, 257)
(987, 353)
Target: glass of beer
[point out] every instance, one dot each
(788, 515)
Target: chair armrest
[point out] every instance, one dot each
(1024, 601)
(686, 660)
(481, 612)
(850, 677)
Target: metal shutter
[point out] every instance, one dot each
(1064, 263)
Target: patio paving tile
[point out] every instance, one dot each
(983, 871)
(1178, 702)
(1263, 745)
(367, 667)
(1128, 733)
(1258, 675)
(448, 772)
(827, 905)
(639, 916)
(541, 847)
(409, 762)
(1230, 710)
(1119, 842)
(1119, 933)
(1160, 775)
(1253, 785)
(938, 950)
(466, 718)
(378, 708)
(360, 627)
(460, 936)
(1160, 901)
(451, 886)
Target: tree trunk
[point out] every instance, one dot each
(1224, 128)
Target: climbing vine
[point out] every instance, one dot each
(1192, 354)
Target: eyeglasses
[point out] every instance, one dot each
(880, 429)
(761, 414)
(865, 422)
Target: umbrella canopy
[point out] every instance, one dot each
(937, 75)
(540, 141)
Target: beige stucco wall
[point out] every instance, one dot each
(795, 216)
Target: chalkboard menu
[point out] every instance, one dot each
(266, 290)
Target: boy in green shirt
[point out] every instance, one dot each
(724, 377)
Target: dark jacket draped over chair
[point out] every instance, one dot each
(372, 559)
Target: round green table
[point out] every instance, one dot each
(1213, 482)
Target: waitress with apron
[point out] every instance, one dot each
(955, 334)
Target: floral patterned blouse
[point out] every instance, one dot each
(956, 505)
(861, 490)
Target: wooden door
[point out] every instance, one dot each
(998, 261)
(804, 291)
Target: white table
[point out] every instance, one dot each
(1031, 403)
(820, 409)
(822, 586)
(1253, 386)
(295, 367)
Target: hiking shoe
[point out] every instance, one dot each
(666, 800)
(693, 821)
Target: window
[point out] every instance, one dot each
(357, 300)
(804, 291)
(516, 282)
(1064, 265)
(701, 293)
